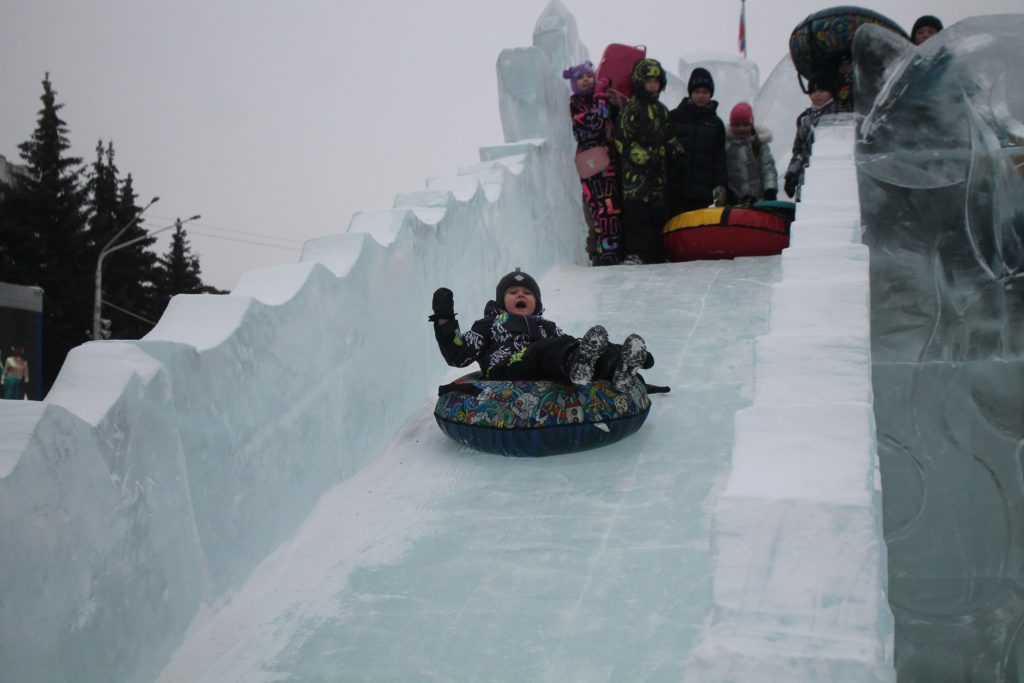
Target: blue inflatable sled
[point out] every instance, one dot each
(538, 418)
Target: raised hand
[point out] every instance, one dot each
(443, 304)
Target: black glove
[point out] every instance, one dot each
(790, 185)
(771, 195)
(443, 304)
(491, 308)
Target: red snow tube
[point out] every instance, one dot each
(724, 233)
(617, 64)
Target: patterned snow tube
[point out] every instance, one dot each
(724, 233)
(538, 418)
(819, 40)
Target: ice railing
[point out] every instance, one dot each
(158, 473)
(801, 595)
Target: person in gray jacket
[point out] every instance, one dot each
(748, 159)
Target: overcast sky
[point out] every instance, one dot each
(277, 120)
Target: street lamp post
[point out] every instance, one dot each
(97, 302)
(97, 308)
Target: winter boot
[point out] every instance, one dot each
(591, 345)
(632, 357)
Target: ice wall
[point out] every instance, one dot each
(941, 161)
(159, 472)
(800, 574)
(776, 107)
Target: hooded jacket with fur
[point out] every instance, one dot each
(750, 164)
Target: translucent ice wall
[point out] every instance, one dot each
(941, 161)
(777, 106)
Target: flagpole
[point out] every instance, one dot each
(743, 27)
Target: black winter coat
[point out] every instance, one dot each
(702, 135)
(493, 340)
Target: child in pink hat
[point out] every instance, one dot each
(749, 160)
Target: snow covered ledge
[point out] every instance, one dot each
(800, 568)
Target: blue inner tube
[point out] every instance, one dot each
(538, 418)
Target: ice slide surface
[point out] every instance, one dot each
(440, 563)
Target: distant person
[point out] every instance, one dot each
(697, 127)
(749, 160)
(844, 82)
(513, 342)
(646, 147)
(822, 90)
(924, 28)
(593, 115)
(15, 375)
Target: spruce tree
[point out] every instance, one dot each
(179, 270)
(128, 273)
(102, 186)
(139, 266)
(44, 241)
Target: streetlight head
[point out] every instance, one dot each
(195, 218)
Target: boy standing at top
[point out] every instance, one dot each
(696, 125)
(821, 88)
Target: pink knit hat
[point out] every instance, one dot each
(741, 114)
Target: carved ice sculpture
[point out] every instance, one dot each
(941, 176)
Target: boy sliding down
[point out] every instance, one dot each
(513, 342)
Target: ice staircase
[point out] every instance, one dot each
(800, 574)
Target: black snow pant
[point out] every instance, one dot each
(642, 231)
(549, 358)
(552, 359)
